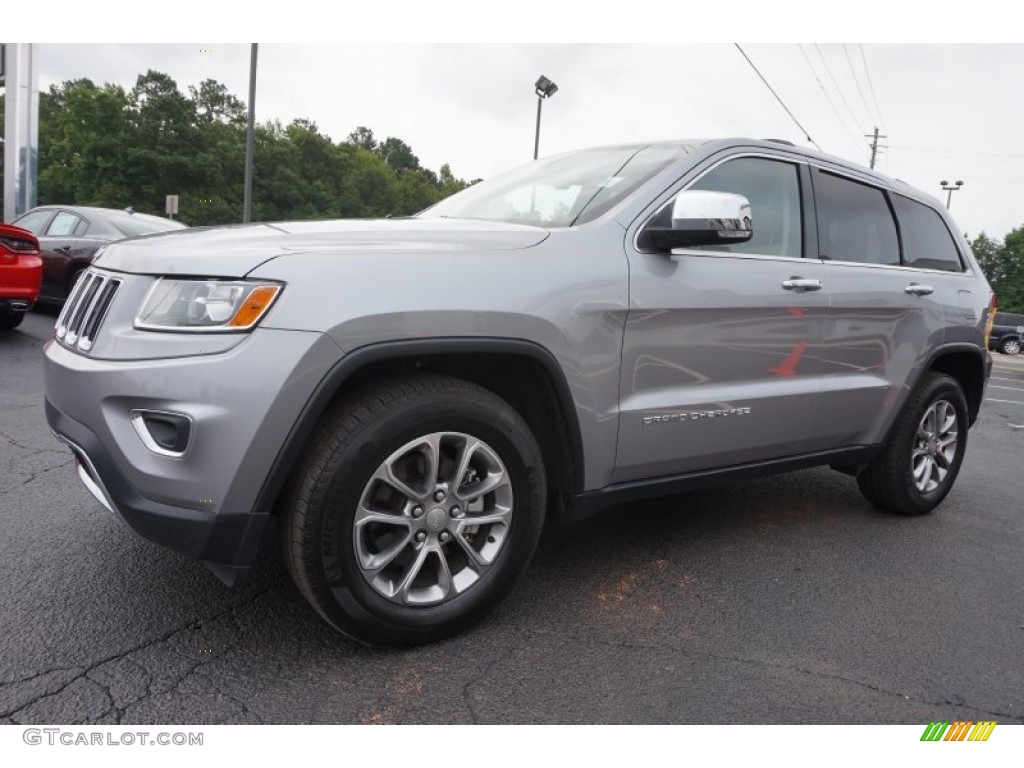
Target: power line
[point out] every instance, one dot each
(1002, 155)
(779, 98)
(972, 177)
(871, 86)
(856, 82)
(835, 84)
(828, 98)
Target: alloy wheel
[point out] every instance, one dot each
(935, 446)
(432, 519)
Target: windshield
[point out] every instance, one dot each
(563, 190)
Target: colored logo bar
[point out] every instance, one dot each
(960, 730)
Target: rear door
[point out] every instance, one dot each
(722, 345)
(897, 282)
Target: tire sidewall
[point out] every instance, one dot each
(941, 388)
(347, 594)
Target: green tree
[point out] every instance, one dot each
(214, 103)
(398, 155)
(1011, 286)
(1003, 265)
(82, 138)
(987, 252)
(102, 146)
(363, 137)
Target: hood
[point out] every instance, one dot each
(233, 251)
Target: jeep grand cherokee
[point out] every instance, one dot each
(413, 397)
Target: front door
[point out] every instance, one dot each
(723, 344)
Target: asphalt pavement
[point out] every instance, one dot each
(783, 600)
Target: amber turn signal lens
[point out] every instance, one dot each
(254, 306)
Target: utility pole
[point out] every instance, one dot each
(249, 140)
(875, 146)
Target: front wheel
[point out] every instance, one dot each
(1010, 347)
(919, 464)
(416, 508)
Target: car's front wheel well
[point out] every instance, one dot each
(522, 381)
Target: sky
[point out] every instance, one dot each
(949, 110)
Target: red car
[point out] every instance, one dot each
(21, 273)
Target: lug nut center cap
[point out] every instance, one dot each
(437, 519)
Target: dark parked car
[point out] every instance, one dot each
(20, 272)
(1007, 332)
(69, 237)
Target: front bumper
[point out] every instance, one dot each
(230, 541)
(206, 501)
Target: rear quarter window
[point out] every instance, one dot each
(927, 243)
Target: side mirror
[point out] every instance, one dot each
(697, 217)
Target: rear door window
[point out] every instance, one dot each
(854, 222)
(927, 243)
(63, 225)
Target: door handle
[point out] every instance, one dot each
(801, 284)
(918, 290)
(65, 249)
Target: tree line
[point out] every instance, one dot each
(1002, 261)
(107, 147)
(104, 146)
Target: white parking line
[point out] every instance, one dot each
(1005, 378)
(993, 400)
(996, 386)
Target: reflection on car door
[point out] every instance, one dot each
(721, 354)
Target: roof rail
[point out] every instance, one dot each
(781, 141)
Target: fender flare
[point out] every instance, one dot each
(351, 363)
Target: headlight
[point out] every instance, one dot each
(205, 305)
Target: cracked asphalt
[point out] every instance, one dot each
(782, 600)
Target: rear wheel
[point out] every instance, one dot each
(416, 508)
(73, 279)
(1010, 347)
(10, 320)
(919, 464)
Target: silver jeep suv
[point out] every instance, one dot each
(413, 397)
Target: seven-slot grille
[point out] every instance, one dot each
(85, 309)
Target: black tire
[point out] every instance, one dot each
(889, 481)
(72, 279)
(356, 441)
(1010, 346)
(10, 320)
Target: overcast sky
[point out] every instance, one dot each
(949, 111)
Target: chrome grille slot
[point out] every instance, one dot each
(85, 310)
(69, 307)
(92, 282)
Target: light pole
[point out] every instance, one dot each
(950, 188)
(545, 89)
(250, 130)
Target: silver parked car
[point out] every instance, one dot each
(413, 397)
